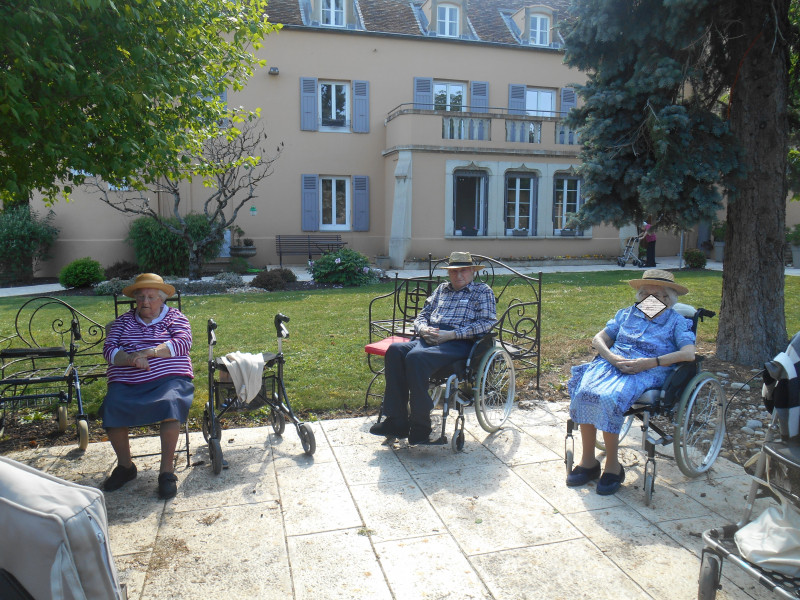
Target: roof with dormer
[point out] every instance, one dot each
(490, 20)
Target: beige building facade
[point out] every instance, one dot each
(406, 128)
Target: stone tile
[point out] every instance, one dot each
(514, 446)
(245, 436)
(132, 569)
(724, 495)
(442, 459)
(289, 449)
(555, 571)
(134, 515)
(365, 464)
(429, 567)
(489, 508)
(315, 498)
(663, 568)
(395, 510)
(549, 480)
(336, 565)
(537, 417)
(346, 432)
(237, 551)
(249, 478)
(42, 458)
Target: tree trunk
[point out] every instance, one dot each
(195, 262)
(752, 323)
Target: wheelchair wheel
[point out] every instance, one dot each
(307, 439)
(700, 425)
(83, 434)
(458, 440)
(649, 482)
(569, 460)
(277, 420)
(61, 417)
(215, 453)
(496, 389)
(626, 427)
(709, 577)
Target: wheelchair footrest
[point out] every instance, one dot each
(441, 441)
(662, 441)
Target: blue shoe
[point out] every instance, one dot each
(581, 475)
(610, 482)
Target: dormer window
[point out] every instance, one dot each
(539, 30)
(333, 13)
(447, 20)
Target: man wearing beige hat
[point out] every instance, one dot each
(454, 316)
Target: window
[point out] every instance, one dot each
(540, 30)
(334, 106)
(521, 204)
(447, 20)
(449, 96)
(334, 100)
(334, 202)
(333, 13)
(469, 203)
(566, 202)
(540, 103)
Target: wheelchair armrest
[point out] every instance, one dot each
(481, 346)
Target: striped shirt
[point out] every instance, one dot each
(130, 334)
(470, 311)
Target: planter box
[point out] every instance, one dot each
(243, 251)
(520, 233)
(719, 251)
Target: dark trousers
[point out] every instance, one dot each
(651, 254)
(409, 366)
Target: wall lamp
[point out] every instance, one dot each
(274, 71)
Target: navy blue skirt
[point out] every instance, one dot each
(133, 405)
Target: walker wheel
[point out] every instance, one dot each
(307, 438)
(206, 425)
(621, 262)
(83, 434)
(215, 452)
(709, 577)
(277, 420)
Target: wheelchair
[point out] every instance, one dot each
(223, 397)
(691, 404)
(776, 475)
(486, 378)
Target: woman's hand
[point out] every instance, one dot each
(631, 366)
(139, 361)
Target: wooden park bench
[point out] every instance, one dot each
(309, 245)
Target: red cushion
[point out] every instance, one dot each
(380, 347)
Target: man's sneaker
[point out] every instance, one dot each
(419, 433)
(167, 485)
(119, 477)
(390, 427)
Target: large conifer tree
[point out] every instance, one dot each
(686, 105)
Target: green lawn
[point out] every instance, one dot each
(325, 361)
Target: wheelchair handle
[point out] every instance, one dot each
(280, 328)
(212, 337)
(702, 312)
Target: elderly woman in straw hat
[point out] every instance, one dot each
(635, 351)
(149, 378)
(458, 312)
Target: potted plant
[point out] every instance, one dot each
(793, 239)
(519, 232)
(241, 246)
(719, 230)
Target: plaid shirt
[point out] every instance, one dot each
(470, 311)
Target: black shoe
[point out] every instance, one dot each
(419, 433)
(167, 485)
(582, 475)
(119, 477)
(390, 427)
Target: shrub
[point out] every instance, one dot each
(793, 235)
(695, 259)
(83, 272)
(230, 279)
(239, 265)
(25, 241)
(112, 286)
(269, 280)
(287, 274)
(122, 269)
(345, 267)
(158, 250)
(719, 229)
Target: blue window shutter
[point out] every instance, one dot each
(516, 99)
(479, 96)
(423, 93)
(360, 203)
(308, 104)
(361, 107)
(569, 100)
(310, 203)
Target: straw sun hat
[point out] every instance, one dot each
(459, 260)
(659, 278)
(149, 281)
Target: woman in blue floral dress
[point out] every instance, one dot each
(635, 352)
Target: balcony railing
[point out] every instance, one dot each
(528, 132)
(565, 135)
(456, 127)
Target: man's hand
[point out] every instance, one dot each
(434, 336)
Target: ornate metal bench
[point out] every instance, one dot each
(307, 245)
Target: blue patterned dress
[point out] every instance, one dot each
(600, 392)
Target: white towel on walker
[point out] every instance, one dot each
(245, 370)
